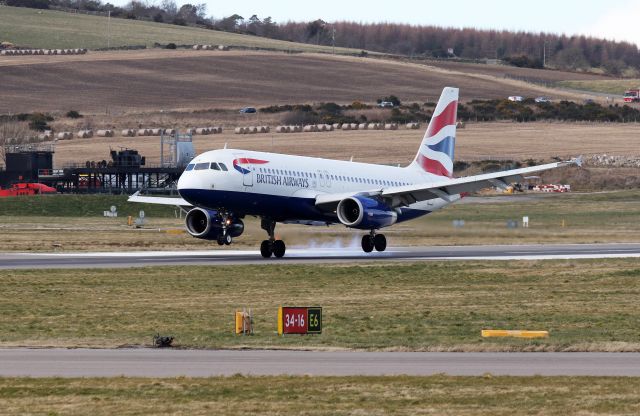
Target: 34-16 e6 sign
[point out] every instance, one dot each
(299, 320)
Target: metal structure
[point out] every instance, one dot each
(176, 150)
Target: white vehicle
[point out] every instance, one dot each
(386, 104)
(515, 98)
(223, 186)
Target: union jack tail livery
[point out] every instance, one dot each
(436, 151)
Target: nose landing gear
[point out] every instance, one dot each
(270, 247)
(373, 240)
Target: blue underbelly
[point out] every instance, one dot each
(280, 208)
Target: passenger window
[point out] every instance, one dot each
(215, 166)
(189, 167)
(223, 167)
(202, 166)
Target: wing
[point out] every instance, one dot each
(446, 188)
(176, 202)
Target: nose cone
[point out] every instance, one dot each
(189, 186)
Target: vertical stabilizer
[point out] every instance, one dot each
(436, 151)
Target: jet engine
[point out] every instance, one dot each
(209, 225)
(365, 213)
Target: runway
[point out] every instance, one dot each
(22, 362)
(317, 255)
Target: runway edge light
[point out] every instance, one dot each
(491, 333)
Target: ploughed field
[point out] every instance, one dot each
(214, 79)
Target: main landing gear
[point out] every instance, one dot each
(271, 246)
(373, 240)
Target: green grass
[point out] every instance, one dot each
(617, 86)
(75, 223)
(323, 395)
(586, 305)
(72, 205)
(54, 29)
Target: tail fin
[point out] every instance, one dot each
(436, 151)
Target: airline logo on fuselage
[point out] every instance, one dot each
(243, 165)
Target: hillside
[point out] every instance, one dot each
(52, 29)
(120, 82)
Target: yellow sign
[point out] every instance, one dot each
(486, 333)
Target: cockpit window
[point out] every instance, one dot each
(190, 167)
(202, 166)
(223, 167)
(215, 166)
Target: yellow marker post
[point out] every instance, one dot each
(490, 333)
(280, 328)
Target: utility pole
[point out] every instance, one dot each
(109, 29)
(333, 40)
(544, 54)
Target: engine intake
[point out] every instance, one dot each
(208, 225)
(365, 213)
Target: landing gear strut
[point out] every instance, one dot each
(271, 246)
(373, 240)
(225, 238)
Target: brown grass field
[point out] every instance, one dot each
(116, 83)
(479, 141)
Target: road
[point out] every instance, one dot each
(204, 363)
(317, 255)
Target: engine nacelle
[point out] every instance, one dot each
(365, 213)
(208, 224)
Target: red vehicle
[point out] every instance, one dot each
(632, 96)
(19, 189)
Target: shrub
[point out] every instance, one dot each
(170, 46)
(38, 121)
(73, 114)
(392, 98)
(301, 118)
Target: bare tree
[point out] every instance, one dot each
(11, 132)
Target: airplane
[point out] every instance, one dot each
(220, 187)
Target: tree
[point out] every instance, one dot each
(169, 7)
(188, 13)
(315, 29)
(11, 132)
(255, 25)
(230, 23)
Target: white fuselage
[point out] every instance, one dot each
(284, 187)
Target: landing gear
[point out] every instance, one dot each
(367, 244)
(271, 246)
(225, 239)
(373, 240)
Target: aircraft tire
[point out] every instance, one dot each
(220, 240)
(279, 248)
(380, 242)
(367, 244)
(227, 239)
(265, 249)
